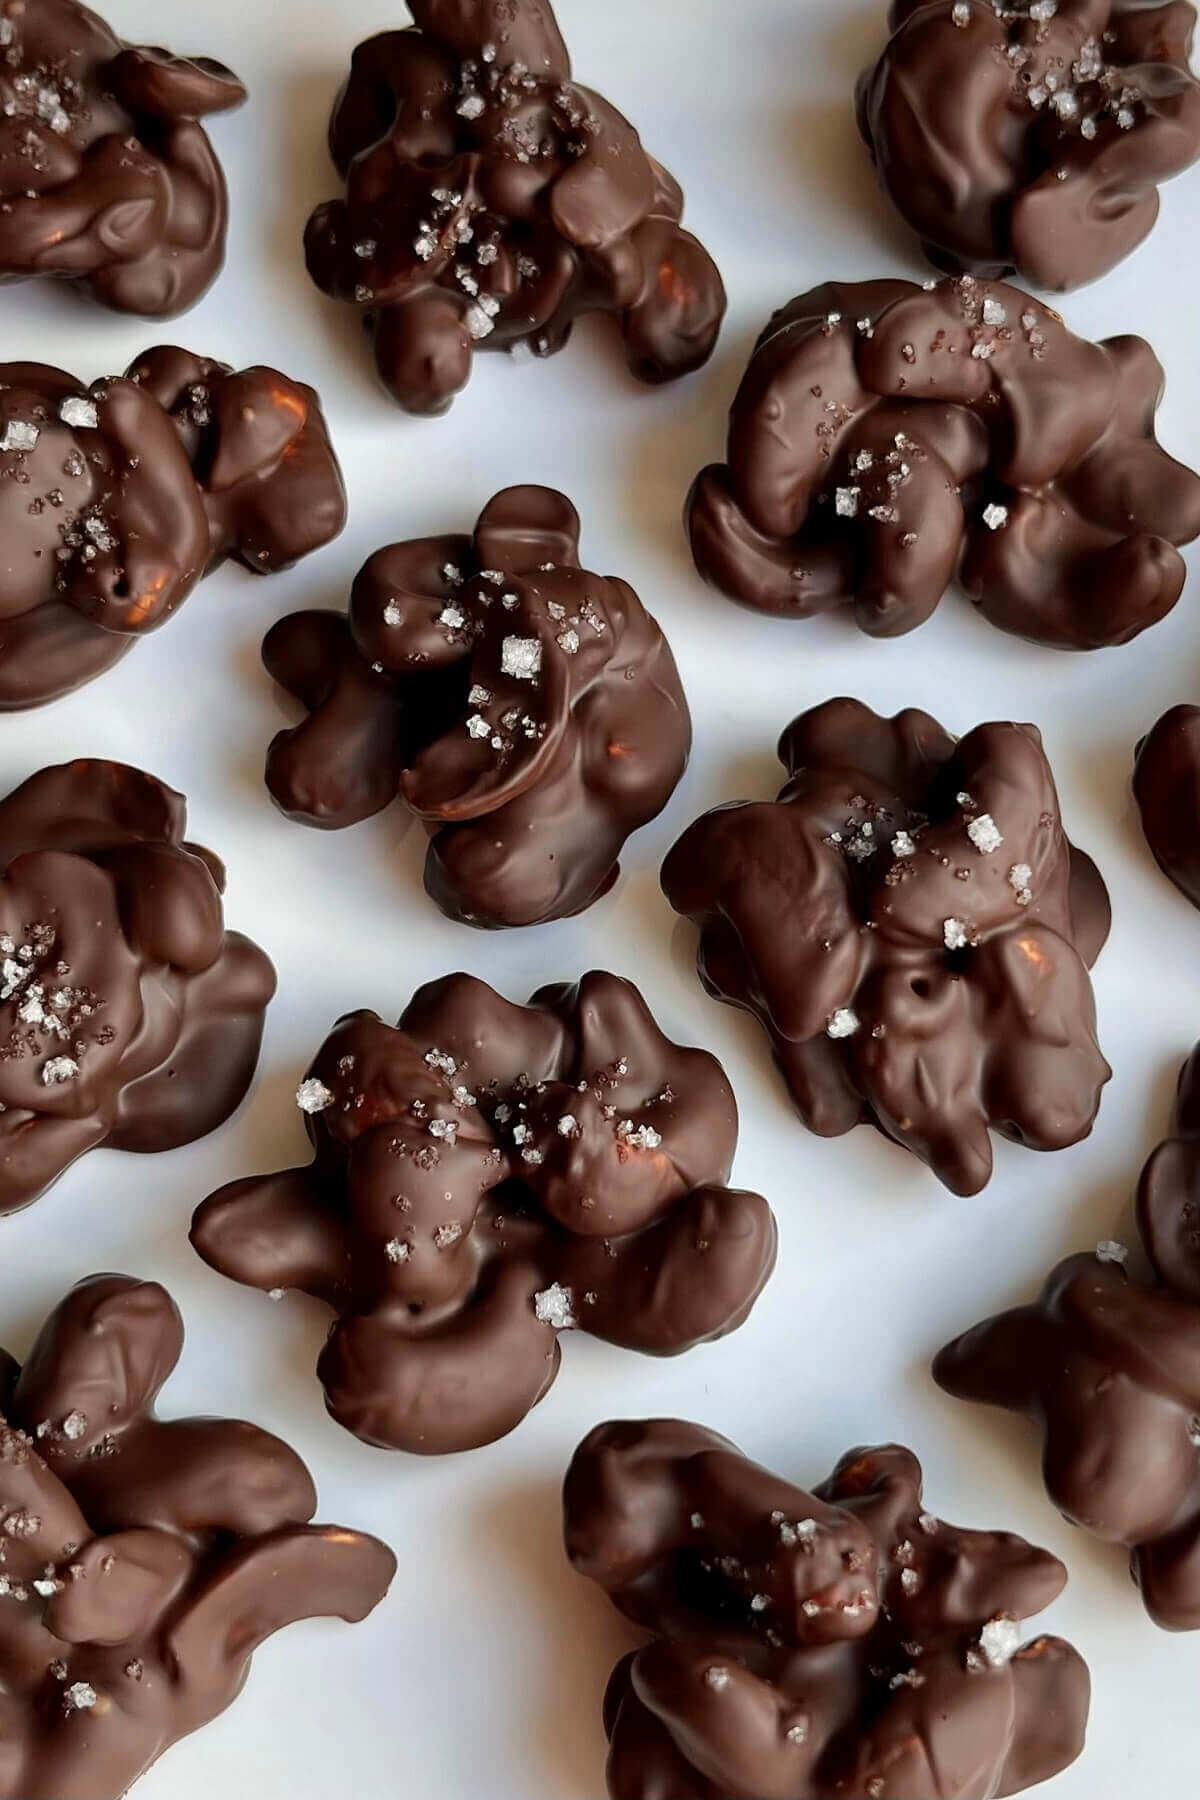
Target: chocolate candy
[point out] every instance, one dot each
(1166, 785)
(1032, 134)
(813, 1646)
(1109, 1368)
(129, 1016)
(106, 179)
(528, 712)
(485, 1177)
(116, 499)
(491, 202)
(887, 439)
(912, 926)
(144, 1561)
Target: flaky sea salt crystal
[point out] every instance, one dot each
(640, 1137)
(903, 845)
(999, 1641)
(846, 502)
(58, 1069)
(842, 1024)
(312, 1096)
(985, 834)
(717, 1678)
(521, 658)
(995, 516)
(19, 435)
(78, 413)
(397, 1250)
(993, 312)
(1108, 1251)
(80, 1696)
(553, 1307)
(473, 107)
(74, 1425)
(954, 933)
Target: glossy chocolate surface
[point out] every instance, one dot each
(888, 440)
(116, 499)
(1108, 1366)
(491, 201)
(527, 711)
(142, 1560)
(106, 178)
(814, 1646)
(486, 1176)
(1032, 134)
(129, 1016)
(913, 928)
(1166, 786)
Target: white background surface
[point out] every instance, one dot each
(482, 1674)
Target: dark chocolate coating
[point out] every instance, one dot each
(1109, 1369)
(912, 926)
(528, 712)
(1166, 785)
(888, 439)
(491, 202)
(106, 179)
(143, 1561)
(1032, 137)
(116, 499)
(129, 1016)
(486, 1175)
(813, 1646)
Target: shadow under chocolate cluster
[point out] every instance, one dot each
(129, 1016)
(491, 201)
(913, 928)
(142, 1562)
(812, 1645)
(116, 499)
(1109, 1368)
(528, 712)
(1032, 134)
(106, 178)
(487, 1176)
(888, 439)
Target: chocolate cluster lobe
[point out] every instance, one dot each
(129, 1016)
(142, 1561)
(106, 177)
(528, 712)
(808, 1646)
(889, 439)
(485, 1177)
(116, 499)
(1109, 1367)
(1166, 786)
(1032, 134)
(914, 929)
(491, 201)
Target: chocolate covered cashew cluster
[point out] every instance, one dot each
(106, 178)
(116, 499)
(913, 928)
(814, 1646)
(1032, 134)
(485, 1177)
(528, 712)
(1166, 786)
(889, 439)
(129, 1016)
(142, 1561)
(1108, 1366)
(491, 201)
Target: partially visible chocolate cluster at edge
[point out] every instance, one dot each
(887, 439)
(1032, 134)
(106, 179)
(914, 930)
(129, 1016)
(491, 201)
(116, 499)
(487, 1176)
(142, 1561)
(814, 1646)
(1166, 785)
(1109, 1368)
(528, 712)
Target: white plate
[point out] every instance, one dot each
(482, 1674)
